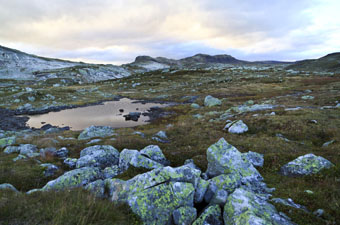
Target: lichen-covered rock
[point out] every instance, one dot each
(210, 101)
(125, 157)
(223, 158)
(4, 142)
(227, 182)
(12, 149)
(74, 178)
(121, 189)
(250, 108)
(49, 169)
(155, 153)
(156, 204)
(210, 216)
(98, 156)
(62, 153)
(236, 127)
(8, 187)
(254, 158)
(184, 215)
(305, 165)
(97, 188)
(220, 198)
(140, 161)
(191, 163)
(29, 150)
(70, 162)
(110, 172)
(96, 131)
(245, 207)
(201, 189)
(289, 202)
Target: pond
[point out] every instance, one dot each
(107, 114)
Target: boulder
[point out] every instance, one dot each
(211, 215)
(28, 150)
(140, 161)
(220, 198)
(97, 188)
(98, 156)
(305, 165)
(155, 153)
(96, 131)
(256, 159)
(200, 191)
(210, 101)
(70, 162)
(49, 169)
(236, 127)
(62, 153)
(12, 149)
(184, 215)
(223, 158)
(125, 157)
(74, 178)
(155, 205)
(8, 187)
(4, 142)
(245, 207)
(110, 172)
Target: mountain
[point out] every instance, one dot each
(328, 63)
(204, 59)
(15, 64)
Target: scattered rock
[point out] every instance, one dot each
(254, 158)
(94, 141)
(289, 202)
(97, 188)
(110, 172)
(134, 116)
(210, 101)
(305, 165)
(319, 212)
(12, 149)
(8, 187)
(161, 137)
(195, 106)
(328, 143)
(155, 153)
(70, 162)
(245, 207)
(62, 153)
(307, 97)
(4, 142)
(98, 156)
(236, 127)
(74, 178)
(96, 131)
(49, 169)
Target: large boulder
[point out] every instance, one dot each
(98, 156)
(96, 131)
(74, 178)
(156, 204)
(223, 158)
(211, 215)
(210, 101)
(305, 165)
(245, 207)
(155, 153)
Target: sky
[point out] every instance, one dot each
(116, 31)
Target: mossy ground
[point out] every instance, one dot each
(190, 137)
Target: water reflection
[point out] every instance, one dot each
(107, 114)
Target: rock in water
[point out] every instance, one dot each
(74, 178)
(210, 101)
(96, 131)
(305, 165)
(245, 207)
(98, 156)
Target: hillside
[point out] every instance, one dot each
(328, 63)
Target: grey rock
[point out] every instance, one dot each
(8, 187)
(184, 215)
(319, 212)
(236, 127)
(289, 202)
(98, 156)
(305, 165)
(94, 141)
(49, 169)
(4, 142)
(110, 172)
(28, 149)
(160, 140)
(74, 178)
(125, 157)
(220, 198)
(210, 101)
(161, 134)
(212, 215)
(62, 153)
(97, 188)
(12, 149)
(326, 144)
(70, 162)
(195, 106)
(190, 162)
(245, 207)
(254, 158)
(201, 190)
(140, 161)
(223, 158)
(155, 153)
(96, 131)
(19, 157)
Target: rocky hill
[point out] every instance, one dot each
(328, 63)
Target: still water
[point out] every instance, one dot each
(106, 114)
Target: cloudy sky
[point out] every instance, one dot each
(116, 31)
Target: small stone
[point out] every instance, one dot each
(319, 212)
(70, 162)
(195, 106)
(8, 187)
(210, 101)
(328, 143)
(49, 169)
(236, 127)
(309, 192)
